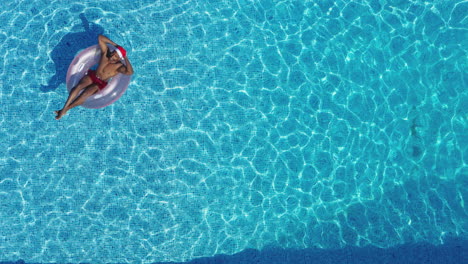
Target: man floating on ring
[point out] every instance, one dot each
(110, 64)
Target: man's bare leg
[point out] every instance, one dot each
(88, 91)
(74, 94)
(75, 91)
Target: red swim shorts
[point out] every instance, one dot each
(100, 83)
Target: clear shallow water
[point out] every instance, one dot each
(246, 125)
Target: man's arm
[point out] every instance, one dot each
(103, 40)
(128, 69)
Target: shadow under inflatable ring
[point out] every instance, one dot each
(80, 66)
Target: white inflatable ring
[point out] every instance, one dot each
(80, 66)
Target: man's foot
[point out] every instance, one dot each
(59, 113)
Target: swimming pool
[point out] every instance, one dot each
(294, 124)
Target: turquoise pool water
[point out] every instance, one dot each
(294, 124)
